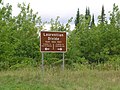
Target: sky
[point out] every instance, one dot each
(66, 9)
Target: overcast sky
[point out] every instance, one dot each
(48, 9)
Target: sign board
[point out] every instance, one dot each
(53, 41)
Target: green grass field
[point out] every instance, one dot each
(56, 79)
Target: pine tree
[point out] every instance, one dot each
(103, 15)
(93, 21)
(77, 18)
(88, 17)
(87, 13)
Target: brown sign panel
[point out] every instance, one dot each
(53, 41)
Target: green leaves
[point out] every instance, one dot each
(19, 35)
(95, 44)
(19, 38)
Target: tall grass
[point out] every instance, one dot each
(57, 79)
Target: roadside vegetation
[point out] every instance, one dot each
(87, 43)
(92, 60)
(56, 79)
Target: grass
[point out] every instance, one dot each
(56, 79)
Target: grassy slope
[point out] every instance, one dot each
(55, 79)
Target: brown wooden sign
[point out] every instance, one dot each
(53, 41)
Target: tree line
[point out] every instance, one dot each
(87, 43)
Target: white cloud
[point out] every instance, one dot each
(64, 8)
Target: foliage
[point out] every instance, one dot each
(95, 44)
(92, 24)
(19, 38)
(87, 16)
(102, 18)
(77, 18)
(87, 43)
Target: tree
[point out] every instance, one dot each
(28, 37)
(115, 16)
(6, 32)
(103, 15)
(88, 17)
(102, 18)
(19, 42)
(87, 13)
(92, 24)
(77, 20)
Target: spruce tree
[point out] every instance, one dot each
(77, 18)
(88, 17)
(87, 13)
(93, 21)
(103, 15)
